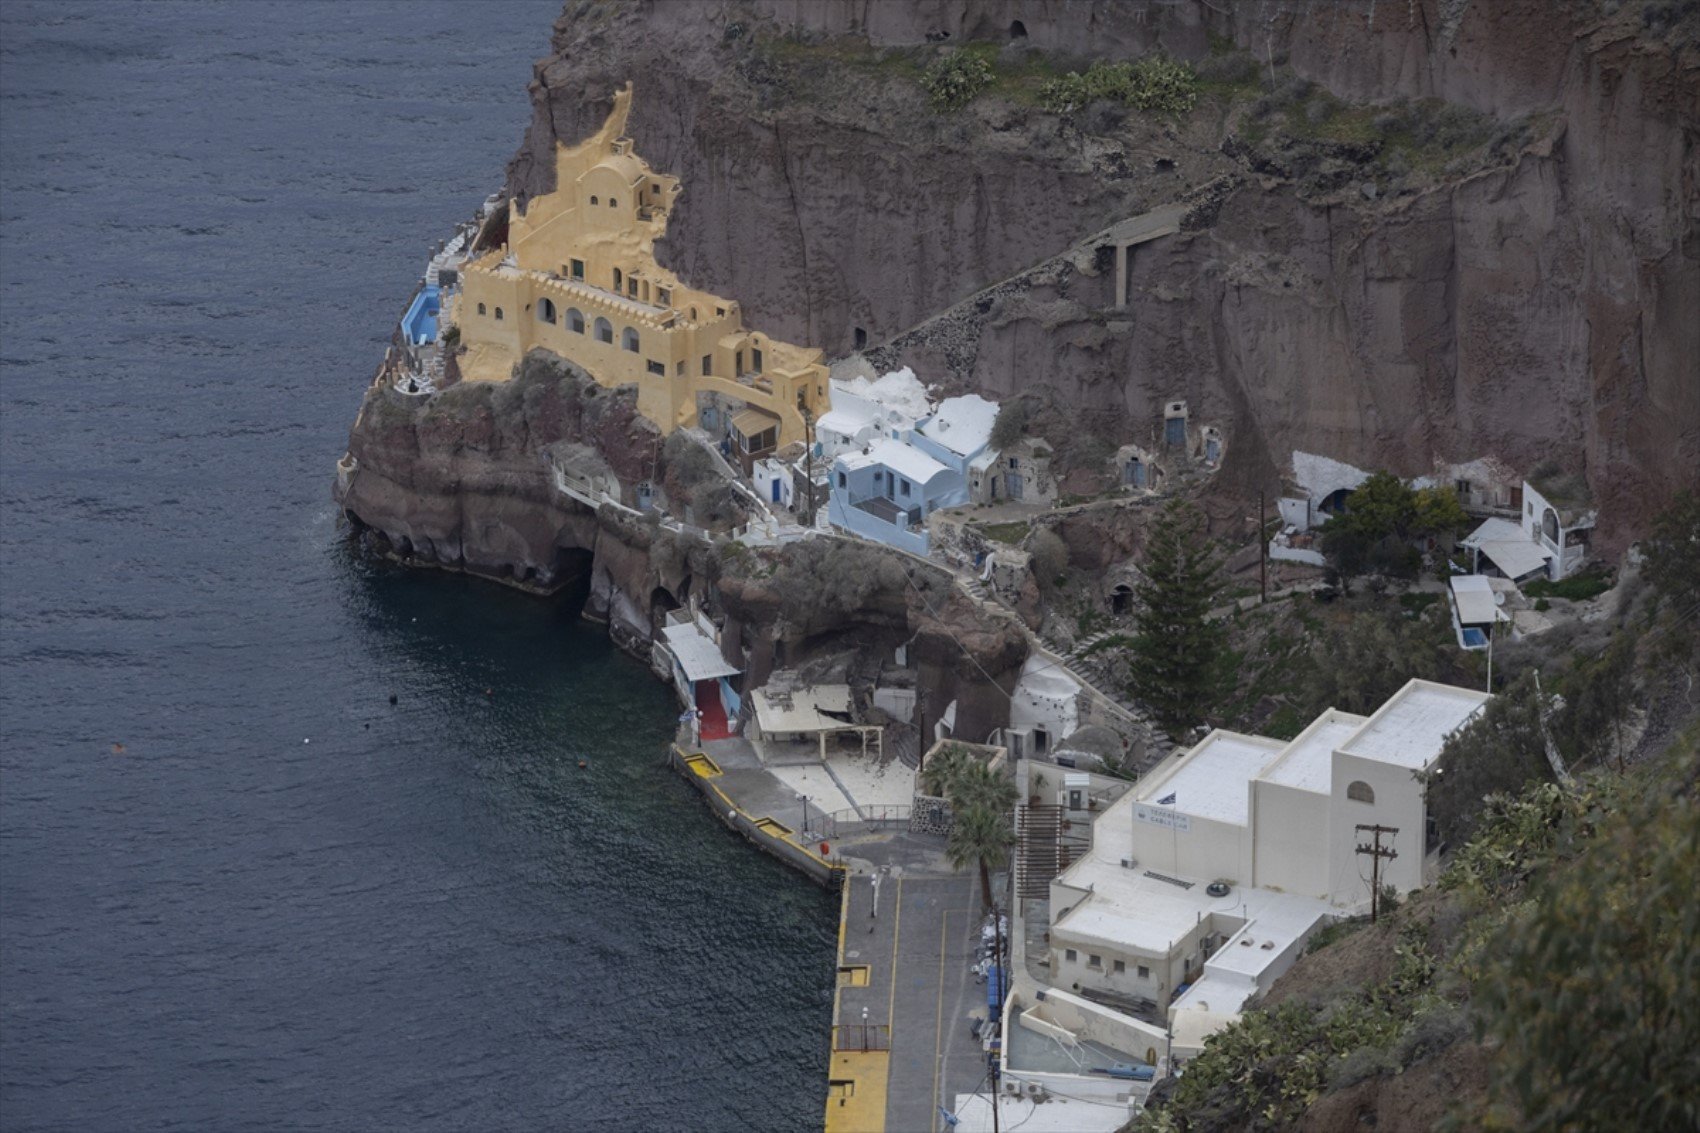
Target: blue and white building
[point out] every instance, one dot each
(885, 490)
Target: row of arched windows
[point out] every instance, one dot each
(603, 329)
(498, 311)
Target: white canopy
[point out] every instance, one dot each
(696, 654)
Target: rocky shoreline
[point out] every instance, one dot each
(465, 481)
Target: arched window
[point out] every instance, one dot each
(604, 330)
(629, 340)
(481, 309)
(1360, 792)
(545, 310)
(693, 314)
(613, 203)
(498, 314)
(1549, 526)
(617, 278)
(575, 320)
(594, 201)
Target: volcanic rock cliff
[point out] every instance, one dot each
(1529, 295)
(465, 480)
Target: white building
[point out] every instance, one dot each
(1475, 603)
(1549, 539)
(1202, 885)
(863, 410)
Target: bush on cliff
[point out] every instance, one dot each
(953, 80)
(1153, 84)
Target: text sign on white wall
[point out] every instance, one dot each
(1162, 816)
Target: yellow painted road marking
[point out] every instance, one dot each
(896, 925)
(938, 1018)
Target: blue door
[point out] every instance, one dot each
(776, 489)
(1174, 431)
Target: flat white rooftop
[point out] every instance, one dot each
(1307, 763)
(1128, 910)
(1211, 780)
(803, 710)
(1410, 729)
(899, 457)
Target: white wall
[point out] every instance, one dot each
(1398, 803)
(1291, 831)
(1207, 849)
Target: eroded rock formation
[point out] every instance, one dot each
(462, 480)
(1538, 304)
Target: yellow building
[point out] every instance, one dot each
(578, 277)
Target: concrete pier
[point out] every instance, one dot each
(909, 928)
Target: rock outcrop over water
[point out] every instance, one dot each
(1531, 297)
(463, 480)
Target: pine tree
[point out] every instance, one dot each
(1177, 650)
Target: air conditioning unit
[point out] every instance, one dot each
(1012, 1088)
(1130, 863)
(1036, 1091)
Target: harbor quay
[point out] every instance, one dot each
(904, 1042)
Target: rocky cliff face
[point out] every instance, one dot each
(1535, 301)
(461, 480)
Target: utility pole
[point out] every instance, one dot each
(997, 997)
(1490, 652)
(1262, 554)
(809, 462)
(1376, 853)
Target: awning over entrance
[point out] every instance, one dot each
(1509, 549)
(698, 656)
(752, 422)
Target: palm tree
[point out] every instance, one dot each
(980, 834)
(974, 784)
(942, 769)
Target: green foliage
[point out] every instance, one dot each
(975, 785)
(1011, 424)
(942, 768)
(980, 836)
(1600, 693)
(1591, 992)
(1381, 519)
(1008, 533)
(953, 80)
(1500, 751)
(1050, 554)
(1576, 588)
(1360, 663)
(1177, 649)
(1438, 512)
(1154, 83)
(1673, 548)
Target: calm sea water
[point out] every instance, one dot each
(428, 917)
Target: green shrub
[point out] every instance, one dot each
(1578, 588)
(1153, 83)
(953, 80)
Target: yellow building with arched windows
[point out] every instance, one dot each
(578, 277)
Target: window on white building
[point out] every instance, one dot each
(1094, 961)
(1360, 792)
(1070, 955)
(1121, 966)
(1143, 972)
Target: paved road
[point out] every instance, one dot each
(918, 949)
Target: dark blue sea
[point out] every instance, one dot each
(428, 917)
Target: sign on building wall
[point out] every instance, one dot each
(1162, 816)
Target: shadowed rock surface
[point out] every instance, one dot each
(1534, 301)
